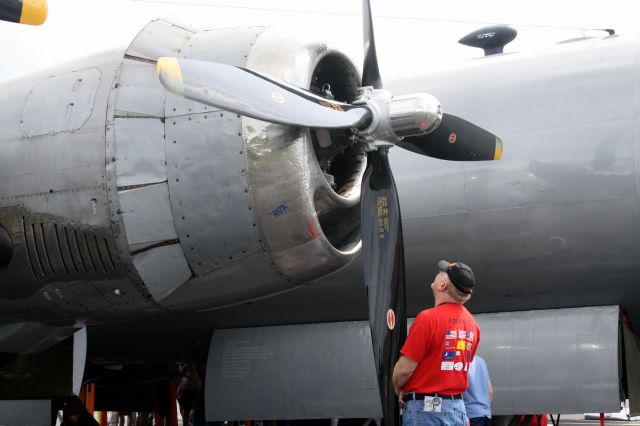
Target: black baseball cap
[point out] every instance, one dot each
(460, 275)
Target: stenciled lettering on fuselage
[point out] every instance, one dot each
(280, 210)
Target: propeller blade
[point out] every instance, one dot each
(30, 12)
(383, 262)
(251, 94)
(456, 139)
(370, 71)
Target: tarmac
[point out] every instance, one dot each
(578, 419)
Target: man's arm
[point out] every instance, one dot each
(490, 391)
(402, 373)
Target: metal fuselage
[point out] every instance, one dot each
(555, 223)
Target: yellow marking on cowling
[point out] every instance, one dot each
(168, 69)
(34, 12)
(498, 153)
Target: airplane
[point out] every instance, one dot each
(139, 228)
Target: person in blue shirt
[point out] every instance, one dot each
(479, 393)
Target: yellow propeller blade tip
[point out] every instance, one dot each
(498, 154)
(34, 12)
(170, 74)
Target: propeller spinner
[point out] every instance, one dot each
(379, 121)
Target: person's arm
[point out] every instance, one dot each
(402, 373)
(490, 391)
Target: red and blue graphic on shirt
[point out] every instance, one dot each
(461, 341)
(443, 341)
(449, 355)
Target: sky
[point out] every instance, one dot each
(411, 35)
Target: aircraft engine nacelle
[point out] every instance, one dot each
(186, 195)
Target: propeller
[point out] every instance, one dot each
(30, 12)
(466, 142)
(378, 121)
(256, 95)
(383, 264)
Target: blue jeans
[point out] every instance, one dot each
(452, 414)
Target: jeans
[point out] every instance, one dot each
(479, 421)
(452, 414)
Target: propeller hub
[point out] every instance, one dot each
(393, 118)
(414, 115)
(379, 132)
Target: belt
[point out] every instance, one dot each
(411, 396)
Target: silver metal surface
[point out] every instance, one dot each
(562, 204)
(210, 199)
(146, 213)
(284, 176)
(379, 132)
(160, 38)
(42, 169)
(230, 283)
(61, 103)
(558, 361)
(53, 194)
(140, 151)
(138, 93)
(414, 114)
(137, 104)
(163, 269)
(211, 44)
(209, 189)
(309, 371)
(79, 358)
(165, 38)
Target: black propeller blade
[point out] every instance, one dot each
(30, 12)
(383, 262)
(370, 70)
(456, 139)
(255, 95)
(382, 248)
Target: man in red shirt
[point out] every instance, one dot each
(431, 375)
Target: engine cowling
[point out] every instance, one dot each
(114, 192)
(234, 208)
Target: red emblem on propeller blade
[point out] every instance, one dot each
(452, 138)
(391, 319)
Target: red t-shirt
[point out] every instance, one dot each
(443, 341)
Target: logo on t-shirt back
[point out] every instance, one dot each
(449, 355)
(446, 366)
